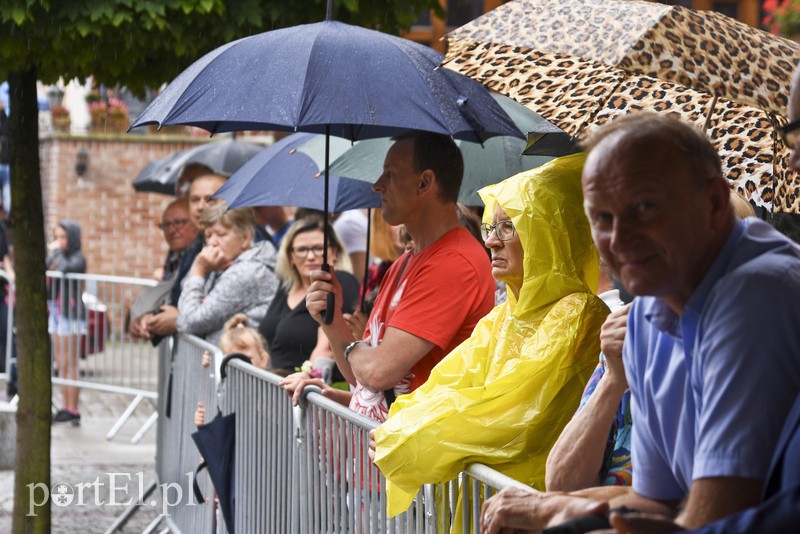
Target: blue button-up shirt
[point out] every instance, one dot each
(712, 387)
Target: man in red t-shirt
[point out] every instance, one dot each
(431, 297)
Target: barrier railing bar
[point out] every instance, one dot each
(104, 387)
(113, 279)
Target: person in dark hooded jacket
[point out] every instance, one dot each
(66, 313)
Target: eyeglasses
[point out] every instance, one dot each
(302, 252)
(177, 223)
(789, 133)
(504, 230)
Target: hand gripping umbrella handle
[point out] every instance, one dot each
(330, 302)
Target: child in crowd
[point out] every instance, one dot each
(237, 337)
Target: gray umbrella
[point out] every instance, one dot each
(547, 139)
(488, 163)
(222, 157)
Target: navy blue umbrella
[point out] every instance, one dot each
(330, 78)
(281, 175)
(216, 442)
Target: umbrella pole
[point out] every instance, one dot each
(709, 113)
(330, 302)
(366, 262)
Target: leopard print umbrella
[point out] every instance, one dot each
(580, 63)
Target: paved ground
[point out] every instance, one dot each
(82, 455)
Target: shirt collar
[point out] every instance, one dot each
(662, 317)
(718, 268)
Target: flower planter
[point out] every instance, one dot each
(62, 124)
(109, 124)
(152, 129)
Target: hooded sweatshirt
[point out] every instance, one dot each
(71, 260)
(246, 286)
(503, 396)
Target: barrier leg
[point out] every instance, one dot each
(145, 427)
(124, 417)
(119, 523)
(154, 525)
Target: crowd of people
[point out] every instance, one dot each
(677, 411)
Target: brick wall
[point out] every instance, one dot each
(118, 225)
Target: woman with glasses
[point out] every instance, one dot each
(502, 397)
(230, 275)
(290, 331)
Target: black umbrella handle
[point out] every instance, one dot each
(330, 302)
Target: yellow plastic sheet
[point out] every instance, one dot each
(503, 396)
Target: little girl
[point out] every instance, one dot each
(237, 337)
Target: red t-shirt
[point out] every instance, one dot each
(438, 295)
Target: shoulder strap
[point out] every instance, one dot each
(389, 393)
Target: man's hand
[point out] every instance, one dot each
(612, 336)
(136, 329)
(322, 283)
(163, 323)
(528, 509)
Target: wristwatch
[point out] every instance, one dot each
(349, 348)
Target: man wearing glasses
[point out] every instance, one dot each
(431, 297)
(179, 232)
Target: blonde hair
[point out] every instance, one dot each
(240, 220)
(286, 270)
(381, 240)
(741, 207)
(238, 335)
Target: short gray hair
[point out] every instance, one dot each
(240, 220)
(648, 129)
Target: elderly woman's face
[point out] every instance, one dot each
(507, 255)
(228, 241)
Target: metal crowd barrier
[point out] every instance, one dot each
(297, 470)
(98, 308)
(183, 383)
(306, 469)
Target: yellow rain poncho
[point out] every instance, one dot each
(503, 396)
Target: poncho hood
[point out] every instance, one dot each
(546, 206)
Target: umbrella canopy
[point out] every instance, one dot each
(222, 157)
(488, 163)
(328, 77)
(283, 176)
(618, 56)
